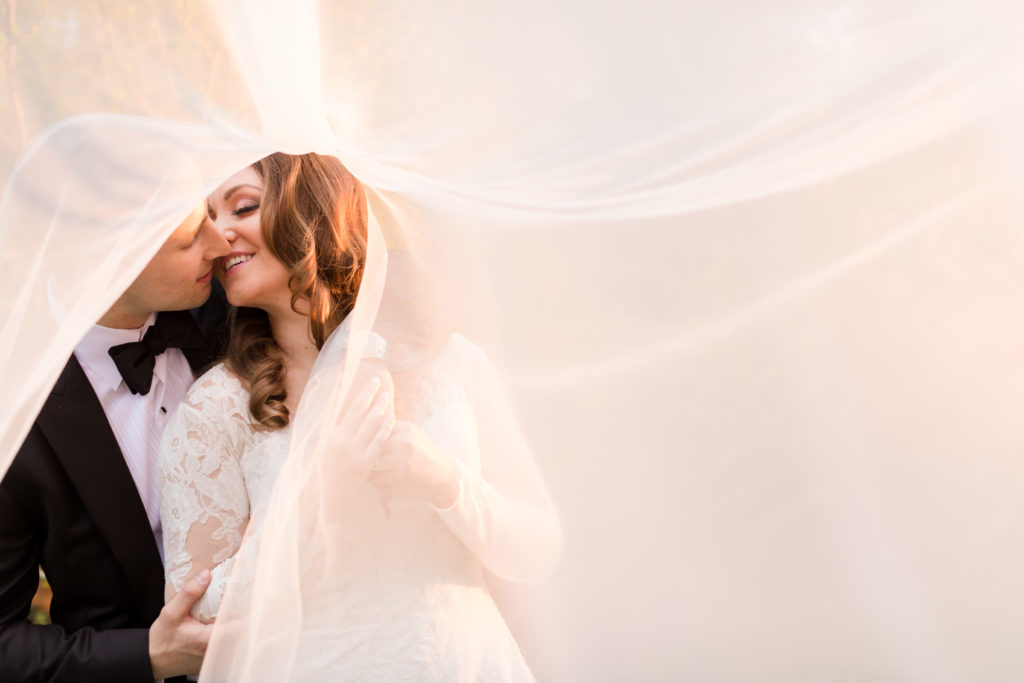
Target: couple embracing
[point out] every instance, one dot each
(140, 483)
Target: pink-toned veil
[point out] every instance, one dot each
(751, 274)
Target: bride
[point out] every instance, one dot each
(433, 490)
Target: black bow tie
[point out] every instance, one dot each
(135, 360)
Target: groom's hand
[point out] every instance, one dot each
(177, 641)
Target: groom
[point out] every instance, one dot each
(80, 498)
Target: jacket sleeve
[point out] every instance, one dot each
(31, 652)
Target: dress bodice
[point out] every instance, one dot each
(408, 571)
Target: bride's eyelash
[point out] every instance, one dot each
(242, 210)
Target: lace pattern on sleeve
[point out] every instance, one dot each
(204, 505)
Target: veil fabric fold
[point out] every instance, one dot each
(752, 275)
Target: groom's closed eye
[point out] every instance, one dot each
(190, 239)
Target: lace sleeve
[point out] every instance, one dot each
(503, 512)
(204, 506)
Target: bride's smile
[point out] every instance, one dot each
(252, 274)
(229, 262)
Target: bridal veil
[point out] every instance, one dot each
(752, 275)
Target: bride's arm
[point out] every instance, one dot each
(204, 506)
(503, 513)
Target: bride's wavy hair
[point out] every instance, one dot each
(313, 220)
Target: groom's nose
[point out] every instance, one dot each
(215, 244)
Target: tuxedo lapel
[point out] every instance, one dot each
(76, 427)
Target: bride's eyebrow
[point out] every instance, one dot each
(231, 190)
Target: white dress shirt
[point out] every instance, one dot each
(137, 421)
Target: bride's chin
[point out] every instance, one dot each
(235, 299)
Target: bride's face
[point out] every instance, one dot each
(252, 276)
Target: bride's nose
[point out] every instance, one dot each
(229, 233)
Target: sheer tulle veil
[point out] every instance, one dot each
(752, 275)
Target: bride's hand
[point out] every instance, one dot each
(365, 422)
(412, 466)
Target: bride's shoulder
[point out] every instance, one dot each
(462, 347)
(465, 356)
(218, 375)
(218, 390)
(213, 412)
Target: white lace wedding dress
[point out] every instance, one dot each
(413, 604)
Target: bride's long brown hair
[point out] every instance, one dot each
(313, 219)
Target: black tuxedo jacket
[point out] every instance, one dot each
(69, 503)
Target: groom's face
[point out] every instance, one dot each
(178, 276)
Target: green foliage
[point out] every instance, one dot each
(157, 58)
